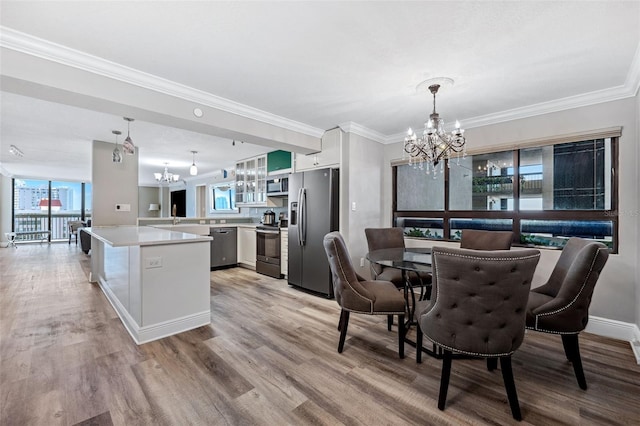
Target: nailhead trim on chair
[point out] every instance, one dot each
(358, 294)
(470, 353)
(567, 306)
(437, 298)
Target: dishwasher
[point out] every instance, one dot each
(223, 247)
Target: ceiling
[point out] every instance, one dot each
(322, 64)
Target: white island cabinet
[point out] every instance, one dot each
(157, 280)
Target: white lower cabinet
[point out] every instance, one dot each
(284, 251)
(247, 246)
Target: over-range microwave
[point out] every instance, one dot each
(278, 187)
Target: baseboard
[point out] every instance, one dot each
(616, 330)
(175, 326)
(156, 331)
(635, 344)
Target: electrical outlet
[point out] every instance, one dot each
(153, 262)
(212, 221)
(202, 222)
(223, 221)
(123, 207)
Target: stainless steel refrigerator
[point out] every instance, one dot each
(313, 213)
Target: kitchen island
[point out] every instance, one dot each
(157, 280)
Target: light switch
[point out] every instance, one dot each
(353, 206)
(123, 207)
(153, 262)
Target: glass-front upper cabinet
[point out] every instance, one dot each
(251, 181)
(261, 179)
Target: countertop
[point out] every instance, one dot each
(123, 236)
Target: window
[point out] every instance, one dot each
(42, 205)
(544, 194)
(223, 197)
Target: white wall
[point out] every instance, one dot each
(5, 211)
(637, 213)
(113, 183)
(148, 195)
(617, 295)
(361, 181)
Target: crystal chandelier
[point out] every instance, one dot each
(166, 177)
(435, 145)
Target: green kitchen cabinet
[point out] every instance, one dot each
(278, 162)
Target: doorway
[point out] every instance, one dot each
(179, 199)
(201, 201)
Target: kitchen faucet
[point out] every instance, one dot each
(174, 211)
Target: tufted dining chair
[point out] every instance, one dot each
(486, 240)
(387, 238)
(478, 309)
(561, 305)
(355, 294)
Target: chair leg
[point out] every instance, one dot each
(444, 379)
(401, 333)
(492, 364)
(418, 344)
(344, 323)
(510, 386)
(572, 351)
(389, 322)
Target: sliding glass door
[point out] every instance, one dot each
(42, 209)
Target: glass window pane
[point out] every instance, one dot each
(31, 207)
(66, 206)
(571, 176)
(223, 197)
(457, 225)
(417, 191)
(482, 182)
(421, 227)
(88, 201)
(555, 233)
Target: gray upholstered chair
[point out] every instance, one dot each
(478, 309)
(486, 240)
(388, 238)
(384, 238)
(355, 294)
(561, 305)
(74, 225)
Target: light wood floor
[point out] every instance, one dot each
(268, 358)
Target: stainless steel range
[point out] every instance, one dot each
(268, 250)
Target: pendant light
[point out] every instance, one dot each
(128, 147)
(116, 156)
(193, 170)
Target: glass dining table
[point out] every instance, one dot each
(410, 261)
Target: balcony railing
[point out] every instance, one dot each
(35, 221)
(529, 183)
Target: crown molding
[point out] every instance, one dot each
(633, 77)
(34, 46)
(571, 102)
(365, 132)
(25, 43)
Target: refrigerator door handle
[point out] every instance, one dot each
(299, 224)
(303, 216)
